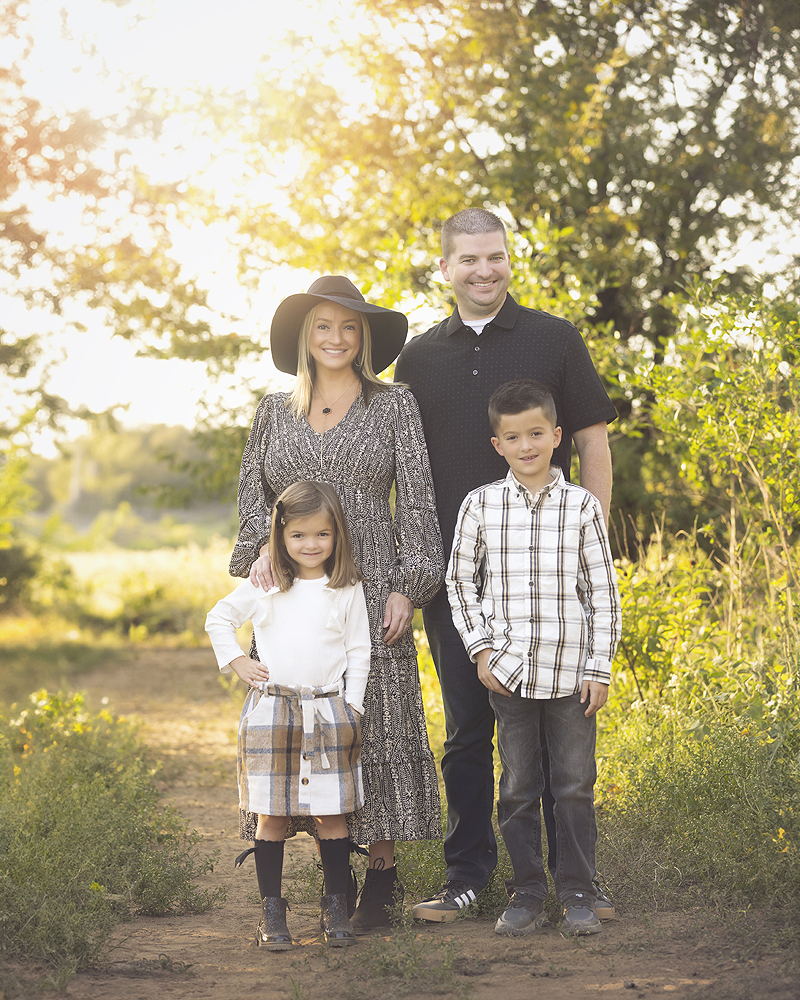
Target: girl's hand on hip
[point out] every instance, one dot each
(261, 572)
(252, 672)
(397, 617)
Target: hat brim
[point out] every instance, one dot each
(388, 329)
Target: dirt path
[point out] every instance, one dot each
(191, 721)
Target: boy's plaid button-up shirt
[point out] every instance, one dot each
(532, 578)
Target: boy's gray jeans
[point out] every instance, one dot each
(570, 737)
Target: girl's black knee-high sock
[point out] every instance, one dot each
(269, 866)
(335, 857)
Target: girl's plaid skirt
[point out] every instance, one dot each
(299, 752)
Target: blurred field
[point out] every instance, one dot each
(184, 582)
(112, 600)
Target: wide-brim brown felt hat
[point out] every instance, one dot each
(388, 328)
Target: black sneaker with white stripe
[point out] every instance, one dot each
(448, 902)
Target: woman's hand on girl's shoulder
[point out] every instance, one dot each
(261, 572)
(252, 672)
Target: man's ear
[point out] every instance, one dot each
(443, 268)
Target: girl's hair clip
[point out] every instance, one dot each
(279, 511)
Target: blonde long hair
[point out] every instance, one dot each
(299, 399)
(305, 499)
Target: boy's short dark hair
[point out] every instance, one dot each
(520, 395)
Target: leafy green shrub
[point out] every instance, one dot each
(18, 567)
(700, 810)
(83, 841)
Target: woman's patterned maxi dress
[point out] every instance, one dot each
(362, 457)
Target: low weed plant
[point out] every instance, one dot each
(698, 748)
(49, 653)
(83, 840)
(703, 815)
(413, 961)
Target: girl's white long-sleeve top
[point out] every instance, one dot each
(311, 635)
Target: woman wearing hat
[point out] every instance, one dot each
(342, 426)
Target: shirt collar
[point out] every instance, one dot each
(557, 481)
(505, 319)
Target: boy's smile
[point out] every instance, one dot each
(526, 441)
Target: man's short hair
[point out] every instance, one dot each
(471, 221)
(520, 395)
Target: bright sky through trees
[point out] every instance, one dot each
(254, 149)
(86, 54)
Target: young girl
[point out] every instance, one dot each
(299, 734)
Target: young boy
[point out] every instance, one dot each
(534, 597)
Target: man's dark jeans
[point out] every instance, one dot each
(570, 739)
(470, 848)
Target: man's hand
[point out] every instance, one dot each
(252, 672)
(486, 677)
(397, 617)
(261, 571)
(597, 695)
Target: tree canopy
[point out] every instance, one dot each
(652, 135)
(117, 258)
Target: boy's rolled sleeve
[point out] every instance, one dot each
(599, 594)
(597, 669)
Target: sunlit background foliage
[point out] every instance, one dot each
(634, 150)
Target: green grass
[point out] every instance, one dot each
(26, 667)
(142, 594)
(83, 840)
(711, 821)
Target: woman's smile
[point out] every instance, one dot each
(335, 338)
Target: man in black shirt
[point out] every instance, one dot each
(452, 370)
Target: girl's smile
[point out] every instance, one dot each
(309, 544)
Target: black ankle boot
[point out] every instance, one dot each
(334, 922)
(382, 890)
(272, 933)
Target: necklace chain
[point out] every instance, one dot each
(326, 409)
